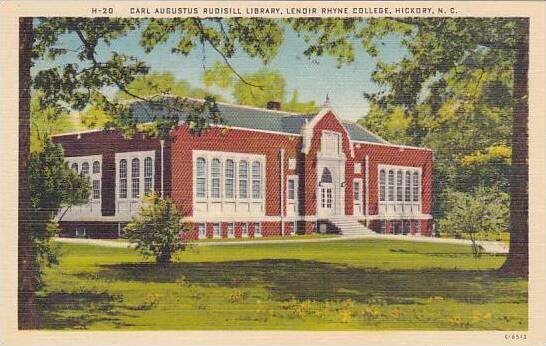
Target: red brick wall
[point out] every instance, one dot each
(107, 144)
(381, 154)
(232, 140)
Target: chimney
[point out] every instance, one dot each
(274, 105)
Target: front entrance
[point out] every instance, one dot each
(327, 194)
(327, 199)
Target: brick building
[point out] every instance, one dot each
(266, 173)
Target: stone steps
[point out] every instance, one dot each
(350, 226)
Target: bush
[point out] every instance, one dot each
(156, 229)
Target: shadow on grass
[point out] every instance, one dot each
(78, 310)
(319, 281)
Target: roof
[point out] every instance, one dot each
(258, 119)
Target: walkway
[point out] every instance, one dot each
(493, 247)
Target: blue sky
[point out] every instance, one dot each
(312, 78)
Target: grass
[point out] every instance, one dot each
(343, 285)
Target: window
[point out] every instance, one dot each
(96, 189)
(148, 169)
(257, 229)
(229, 179)
(202, 230)
(80, 232)
(85, 168)
(391, 186)
(329, 143)
(356, 191)
(407, 192)
(382, 226)
(243, 179)
(326, 176)
(123, 178)
(291, 185)
(382, 191)
(244, 229)
(201, 173)
(216, 230)
(256, 180)
(215, 178)
(135, 178)
(74, 167)
(358, 168)
(230, 230)
(399, 182)
(96, 167)
(417, 227)
(416, 187)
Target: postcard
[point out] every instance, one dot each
(262, 173)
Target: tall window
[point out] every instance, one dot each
(216, 230)
(243, 179)
(135, 178)
(148, 169)
(356, 191)
(96, 189)
(256, 180)
(257, 229)
(123, 178)
(416, 187)
(202, 230)
(96, 167)
(74, 167)
(229, 179)
(391, 186)
(399, 182)
(244, 229)
(291, 187)
(330, 143)
(382, 187)
(85, 168)
(215, 178)
(407, 190)
(201, 173)
(230, 230)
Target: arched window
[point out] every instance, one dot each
(135, 178)
(74, 167)
(407, 191)
(399, 182)
(148, 175)
(201, 176)
(391, 186)
(326, 176)
(416, 187)
(85, 168)
(382, 185)
(96, 167)
(123, 178)
(229, 188)
(243, 179)
(256, 180)
(215, 171)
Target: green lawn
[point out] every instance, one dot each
(338, 285)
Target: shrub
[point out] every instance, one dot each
(156, 229)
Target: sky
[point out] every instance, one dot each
(313, 78)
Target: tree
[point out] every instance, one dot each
(156, 229)
(257, 89)
(471, 49)
(46, 122)
(53, 187)
(470, 214)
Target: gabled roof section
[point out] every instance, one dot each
(258, 119)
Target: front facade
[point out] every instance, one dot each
(267, 173)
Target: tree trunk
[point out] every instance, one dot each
(163, 257)
(27, 315)
(517, 263)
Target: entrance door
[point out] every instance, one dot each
(327, 199)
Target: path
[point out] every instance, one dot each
(493, 247)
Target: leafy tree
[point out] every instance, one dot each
(46, 122)
(483, 211)
(460, 73)
(53, 186)
(257, 88)
(156, 229)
